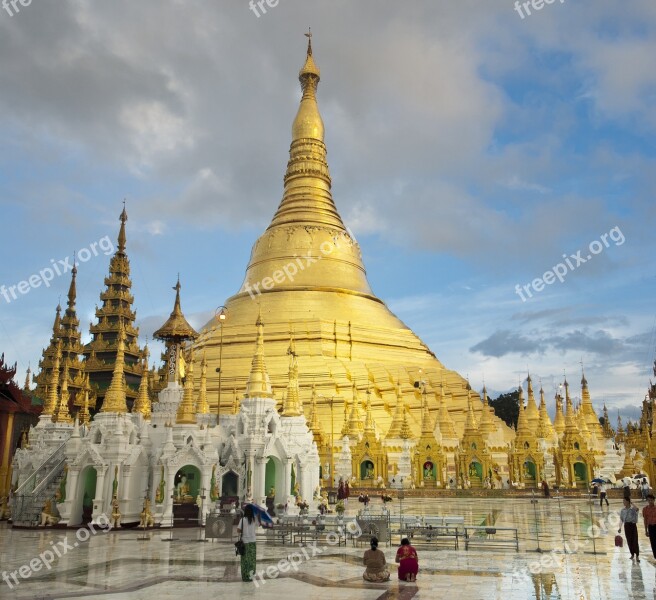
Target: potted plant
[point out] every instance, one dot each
(339, 508)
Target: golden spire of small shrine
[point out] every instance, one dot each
(186, 410)
(115, 399)
(28, 381)
(61, 414)
(50, 404)
(394, 430)
(545, 428)
(355, 427)
(486, 425)
(470, 422)
(83, 415)
(258, 385)
(292, 404)
(369, 427)
(142, 403)
(203, 406)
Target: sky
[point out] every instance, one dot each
(497, 168)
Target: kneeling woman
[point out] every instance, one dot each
(408, 561)
(374, 560)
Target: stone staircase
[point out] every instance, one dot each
(40, 486)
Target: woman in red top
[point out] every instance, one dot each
(408, 561)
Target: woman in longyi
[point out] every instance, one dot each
(408, 561)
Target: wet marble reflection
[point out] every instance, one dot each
(566, 552)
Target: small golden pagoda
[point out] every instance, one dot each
(116, 312)
(527, 459)
(575, 459)
(429, 458)
(174, 333)
(474, 463)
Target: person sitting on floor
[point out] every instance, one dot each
(374, 560)
(408, 561)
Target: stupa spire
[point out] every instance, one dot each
(394, 430)
(369, 427)
(115, 399)
(83, 415)
(427, 425)
(142, 403)
(532, 412)
(258, 385)
(470, 422)
(186, 414)
(203, 406)
(292, 405)
(61, 414)
(28, 379)
(121, 234)
(355, 426)
(522, 420)
(546, 428)
(486, 425)
(307, 202)
(50, 404)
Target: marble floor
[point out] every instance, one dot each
(578, 560)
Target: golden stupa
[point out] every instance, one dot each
(307, 279)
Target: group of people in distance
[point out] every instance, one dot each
(376, 566)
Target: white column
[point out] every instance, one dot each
(99, 500)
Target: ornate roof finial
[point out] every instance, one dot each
(308, 35)
(121, 234)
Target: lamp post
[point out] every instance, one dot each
(650, 464)
(220, 313)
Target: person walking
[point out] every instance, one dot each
(602, 495)
(347, 492)
(408, 561)
(644, 488)
(649, 517)
(545, 488)
(247, 529)
(374, 560)
(629, 516)
(627, 491)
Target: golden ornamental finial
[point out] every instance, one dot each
(308, 35)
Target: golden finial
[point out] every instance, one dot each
(121, 234)
(308, 35)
